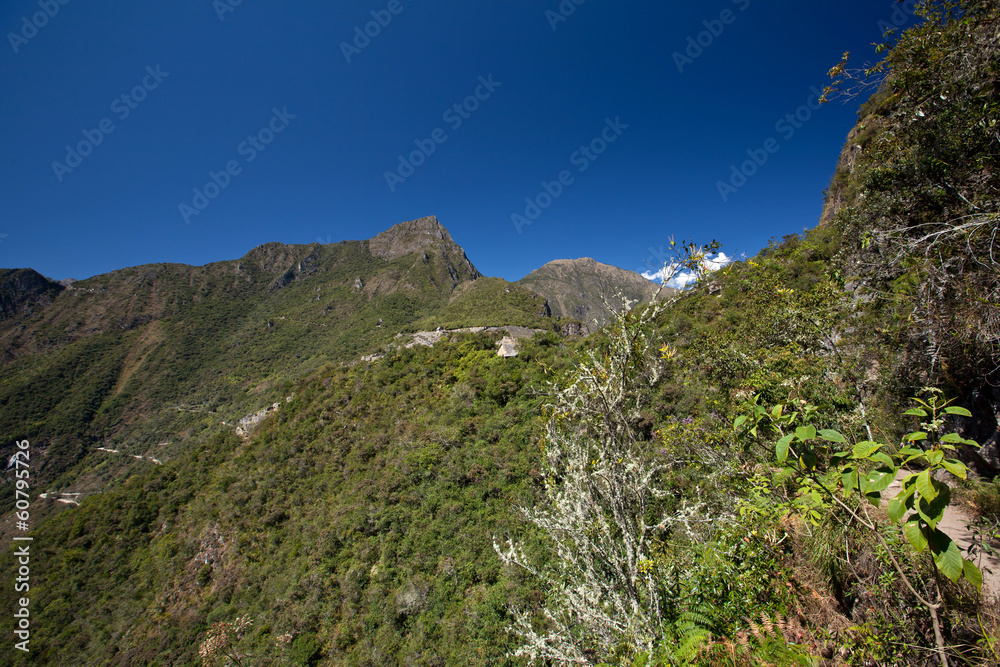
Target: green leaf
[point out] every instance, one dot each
(884, 459)
(934, 457)
(805, 432)
(915, 535)
(910, 451)
(831, 435)
(808, 460)
(896, 509)
(905, 496)
(781, 449)
(955, 410)
(739, 421)
(973, 574)
(955, 438)
(916, 412)
(926, 486)
(850, 479)
(956, 468)
(947, 557)
(879, 480)
(776, 412)
(932, 511)
(863, 450)
(915, 436)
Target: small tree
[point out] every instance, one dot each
(600, 508)
(862, 472)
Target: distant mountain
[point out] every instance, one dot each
(154, 348)
(23, 289)
(578, 288)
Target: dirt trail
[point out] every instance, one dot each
(956, 524)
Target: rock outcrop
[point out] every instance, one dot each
(508, 347)
(578, 288)
(421, 235)
(23, 289)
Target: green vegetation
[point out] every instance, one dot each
(357, 516)
(490, 302)
(699, 483)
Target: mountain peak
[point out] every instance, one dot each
(21, 289)
(410, 236)
(422, 234)
(578, 288)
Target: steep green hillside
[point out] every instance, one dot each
(357, 518)
(491, 302)
(916, 203)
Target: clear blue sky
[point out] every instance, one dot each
(200, 77)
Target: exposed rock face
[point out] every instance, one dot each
(837, 197)
(984, 428)
(248, 422)
(272, 256)
(572, 328)
(421, 235)
(21, 289)
(508, 347)
(577, 288)
(430, 338)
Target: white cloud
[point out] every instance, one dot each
(681, 279)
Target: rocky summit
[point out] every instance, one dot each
(584, 289)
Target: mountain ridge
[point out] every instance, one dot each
(98, 359)
(579, 288)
